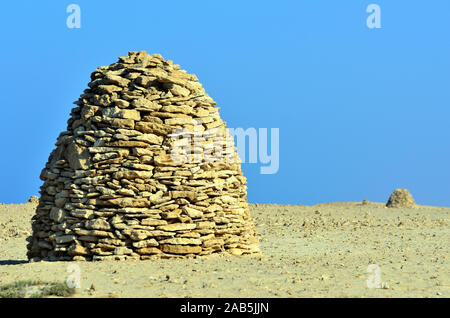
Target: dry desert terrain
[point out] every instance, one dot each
(306, 251)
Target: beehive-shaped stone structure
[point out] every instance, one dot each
(145, 169)
(401, 198)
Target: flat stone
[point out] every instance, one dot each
(205, 225)
(121, 123)
(154, 128)
(130, 202)
(77, 156)
(116, 80)
(177, 227)
(150, 139)
(127, 143)
(148, 251)
(179, 121)
(181, 241)
(60, 202)
(77, 250)
(157, 233)
(193, 213)
(180, 249)
(143, 211)
(64, 239)
(145, 104)
(87, 238)
(153, 222)
(98, 224)
(122, 250)
(57, 214)
(108, 89)
(121, 103)
(177, 90)
(126, 192)
(146, 243)
(212, 242)
(177, 109)
(138, 166)
(236, 251)
(102, 149)
(105, 156)
(191, 195)
(82, 213)
(99, 233)
(142, 152)
(88, 111)
(137, 235)
(132, 174)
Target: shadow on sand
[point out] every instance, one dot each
(12, 262)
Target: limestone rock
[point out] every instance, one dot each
(181, 249)
(57, 214)
(77, 156)
(177, 227)
(77, 250)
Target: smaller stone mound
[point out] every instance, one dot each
(33, 199)
(401, 198)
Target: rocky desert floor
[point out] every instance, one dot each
(306, 251)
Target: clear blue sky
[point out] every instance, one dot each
(361, 111)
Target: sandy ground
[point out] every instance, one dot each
(307, 251)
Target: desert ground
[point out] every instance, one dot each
(306, 251)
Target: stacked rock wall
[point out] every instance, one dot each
(143, 170)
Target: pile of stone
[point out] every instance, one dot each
(33, 199)
(115, 187)
(401, 198)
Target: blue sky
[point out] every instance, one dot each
(360, 111)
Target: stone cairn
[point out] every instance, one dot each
(401, 198)
(115, 187)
